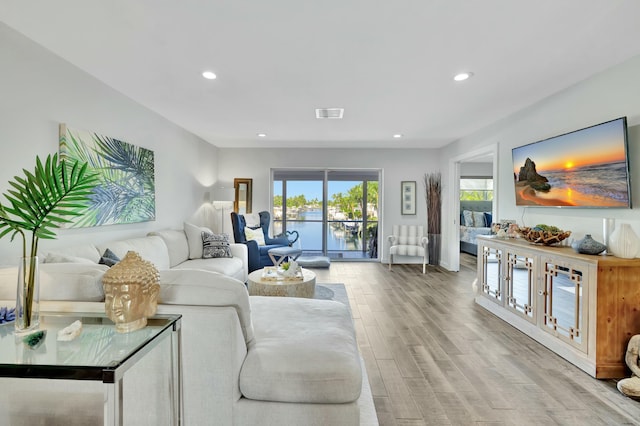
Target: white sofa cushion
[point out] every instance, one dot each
(195, 287)
(229, 266)
(152, 249)
(87, 251)
(176, 241)
(60, 281)
(53, 257)
(304, 351)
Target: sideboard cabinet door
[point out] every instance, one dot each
(520, 285)
(490, 271)
(565, 300)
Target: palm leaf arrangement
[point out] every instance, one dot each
(41, 202)
(126, 193)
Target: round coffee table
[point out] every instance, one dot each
(283, 288)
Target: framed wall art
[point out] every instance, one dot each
(408, 196)
(126, 193)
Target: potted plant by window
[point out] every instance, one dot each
(38, 203)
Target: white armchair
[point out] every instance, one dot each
(408, 240)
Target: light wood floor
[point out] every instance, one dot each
(436, 358)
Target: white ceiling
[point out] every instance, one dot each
(388, 63)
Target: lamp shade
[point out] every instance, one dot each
(224, 193)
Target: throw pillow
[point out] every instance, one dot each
(468, 217)
(479, 220)
(252, 220)
(254, 234)
(194, 239)
(109, 258)
(488, 218)
(215, 245)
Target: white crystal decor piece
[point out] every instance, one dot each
(70, 332)
(293, 270)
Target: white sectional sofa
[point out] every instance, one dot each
(247, 360)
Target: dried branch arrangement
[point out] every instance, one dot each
(433, 196)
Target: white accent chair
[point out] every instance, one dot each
(408, 240)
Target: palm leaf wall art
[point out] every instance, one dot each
(126, 192)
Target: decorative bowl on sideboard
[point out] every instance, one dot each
(544, 237)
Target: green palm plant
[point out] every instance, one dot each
(39, 203)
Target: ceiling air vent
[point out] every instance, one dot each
(329, 112)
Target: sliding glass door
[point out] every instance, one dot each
(335, 212)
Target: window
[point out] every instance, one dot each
(334, 211)
(476, 189)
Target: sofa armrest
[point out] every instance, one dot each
(213, 351)
(196, 287)
(241, 252)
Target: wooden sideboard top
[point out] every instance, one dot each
(600, 259)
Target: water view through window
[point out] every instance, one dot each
(333, 216)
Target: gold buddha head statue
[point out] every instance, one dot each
(131, 292)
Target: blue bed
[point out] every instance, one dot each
(475, 219)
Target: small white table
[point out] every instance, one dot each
(283, 288)
(282, 253)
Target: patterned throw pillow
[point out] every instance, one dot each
(109, 258)
(478, 219)
(254, 234)
(468, 217)
(215, 245)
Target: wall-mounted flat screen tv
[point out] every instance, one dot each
(585, 168)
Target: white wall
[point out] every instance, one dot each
(39, 90)
(397, 166)
(611, 94)
(473, 169)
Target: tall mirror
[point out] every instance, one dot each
(243, 187)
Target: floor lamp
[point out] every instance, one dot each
(223, 197)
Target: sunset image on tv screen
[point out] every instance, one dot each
(585, 168)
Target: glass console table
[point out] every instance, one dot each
(99, 353)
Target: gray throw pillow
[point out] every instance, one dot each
(215, 245)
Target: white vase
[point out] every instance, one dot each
(623, 242)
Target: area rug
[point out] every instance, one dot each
(335, 292)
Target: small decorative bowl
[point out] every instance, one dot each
(546, 238)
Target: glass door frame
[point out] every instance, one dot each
(363, 176)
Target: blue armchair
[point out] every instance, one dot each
(258, 255)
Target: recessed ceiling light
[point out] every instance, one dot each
(397, 136)
(262, 135)
(209, 75)
(462, 76)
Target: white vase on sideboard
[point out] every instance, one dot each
(624, 242)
